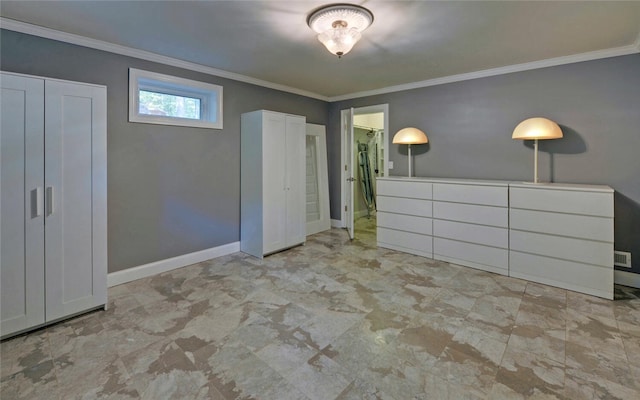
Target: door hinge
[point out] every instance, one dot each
(345, 208)
(345, 167)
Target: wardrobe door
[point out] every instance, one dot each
(295, 179)
(21, 214)
(274, 183)
(75, 192)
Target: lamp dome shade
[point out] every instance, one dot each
(537, 128)
(410, 136)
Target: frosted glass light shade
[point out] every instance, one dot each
(410, 136)
(340, 26)
(537, 128)
(339, 41)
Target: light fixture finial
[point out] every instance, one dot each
(340, 26)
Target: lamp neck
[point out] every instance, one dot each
(535, 161)
(409, 157)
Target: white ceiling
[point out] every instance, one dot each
(409, 41)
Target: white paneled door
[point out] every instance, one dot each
(21, 206)
(75, 116)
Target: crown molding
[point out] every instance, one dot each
(550, 62)
(47, 33)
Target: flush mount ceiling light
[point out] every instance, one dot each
(339, 26)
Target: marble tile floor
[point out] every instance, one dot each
(334, 319)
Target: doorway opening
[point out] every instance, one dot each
(365, 144)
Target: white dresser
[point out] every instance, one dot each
(556, 234)
(562, 235)
(404, 215)
(471, 224)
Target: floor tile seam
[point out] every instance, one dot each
(627, 352)
(602, 379)
(579, 308)
(561, 392)
(537, 354)
(278, 373)
(14, 360)
(494, 339)
(294, 383)
(619, 316)
(363, 378)
(590, 343)
(481, 359)
(592, 316)
(56, 370)
(540, 357)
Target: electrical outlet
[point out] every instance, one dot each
(622, 259)
(390, 164)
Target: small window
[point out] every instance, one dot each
(168, 100)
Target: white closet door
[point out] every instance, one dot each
(74, 164)
(21, 217)
(296, 180)
(274, 182)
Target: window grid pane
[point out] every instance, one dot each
(169, 105)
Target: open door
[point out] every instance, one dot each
(349, 132)
(349, 165)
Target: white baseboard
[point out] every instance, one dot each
(157, 267)
(336, 223)
(627, 278)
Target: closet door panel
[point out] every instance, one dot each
(295, 179)
(71, 123)
(21, 218)
(274, 182)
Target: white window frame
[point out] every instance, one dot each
(210, 97)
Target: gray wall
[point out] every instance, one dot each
(175, 190)
(171, 190)
(469, 125)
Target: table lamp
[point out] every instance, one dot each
(535, 129)
(410, 136)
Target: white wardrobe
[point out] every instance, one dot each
(53, 200)
(272, 182)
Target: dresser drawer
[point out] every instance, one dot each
(486, 215)
(408, 223)
(479, 234)
(597, 204)
(413, 243)
(399, 205)
(472, 255)
(577, 226)
(414, 190)
(472, 194)
(584, 251)
(584, 278)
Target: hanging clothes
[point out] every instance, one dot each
(365, 178)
